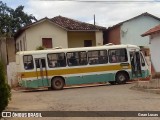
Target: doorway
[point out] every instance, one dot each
(41, 71)
(136, 64)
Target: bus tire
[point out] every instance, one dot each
(112, 82)
(57, 83)
(121, 77)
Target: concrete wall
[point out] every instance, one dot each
(12, 74)
(155, 54)
(3, 51)
(131, 31)
(76, 39)
(11, 49)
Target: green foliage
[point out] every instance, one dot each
(40, 48)
(5, 91)
(13, 19)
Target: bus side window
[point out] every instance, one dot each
(77, 58)
(28, 62)
(56, 60)
(97, 57)
(117, 55)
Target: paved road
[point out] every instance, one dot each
(97, 98)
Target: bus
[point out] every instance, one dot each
(56, 68)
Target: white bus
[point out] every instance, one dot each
(57, 68)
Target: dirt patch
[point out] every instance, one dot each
(156, 91)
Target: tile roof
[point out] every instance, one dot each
(151, 31)
(65, 23)
(71, 24)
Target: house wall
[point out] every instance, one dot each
(99, 38)
(46, 29)
(131, 31)
(76, 39)
(155, 54)
(21, 38)
(32, 37)
(112, 35)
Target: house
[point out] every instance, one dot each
(129, 31)
(154, 37)
(58, 32)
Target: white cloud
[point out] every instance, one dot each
(107, 14)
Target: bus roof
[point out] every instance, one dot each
(76, 49)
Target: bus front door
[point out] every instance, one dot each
(41, 71)
(136, 64)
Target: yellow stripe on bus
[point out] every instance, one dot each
(73, 71)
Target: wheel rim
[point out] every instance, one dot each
(121, 78)
(58, 83)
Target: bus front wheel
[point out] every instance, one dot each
(121, 78)
(57, 83)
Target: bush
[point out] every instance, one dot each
(5, 91)
(40, 48)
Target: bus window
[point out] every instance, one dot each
(56, 60)
(97, 57)
(28, 62)
(117, 55)
(76, 58)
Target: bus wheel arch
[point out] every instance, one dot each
(57, 83)
(121, 77)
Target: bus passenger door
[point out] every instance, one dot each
(136, 64)
(144, 66)
(41, 71)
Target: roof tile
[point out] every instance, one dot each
(72, 24)
(151, 31)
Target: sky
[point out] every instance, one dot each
(107, 13)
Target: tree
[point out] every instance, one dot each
(13, 19)
(5, 92)
(10, 21)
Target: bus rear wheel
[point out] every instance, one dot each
(57, 83)
(121, 78)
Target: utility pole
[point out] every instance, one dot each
(94, 20)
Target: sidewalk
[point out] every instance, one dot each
(152, 86)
